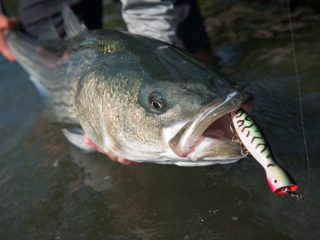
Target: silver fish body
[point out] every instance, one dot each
(136, 97)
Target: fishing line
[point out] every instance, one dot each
(299, 92)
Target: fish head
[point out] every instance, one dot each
(191, 109)
(191, 118)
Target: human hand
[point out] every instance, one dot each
(120, 160)
(6, 23)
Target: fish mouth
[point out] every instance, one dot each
(208, 136)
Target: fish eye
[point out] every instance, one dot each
(156, 100)
(156, 104)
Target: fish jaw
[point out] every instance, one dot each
(207, 136)
(210, 148)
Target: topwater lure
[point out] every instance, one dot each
(251, 137)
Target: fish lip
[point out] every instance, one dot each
(192, 134)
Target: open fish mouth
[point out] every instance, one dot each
(207, 136)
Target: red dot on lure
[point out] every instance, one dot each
(286, 190)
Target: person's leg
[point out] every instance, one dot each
(191, 30)
(90, 13)
(39, 18)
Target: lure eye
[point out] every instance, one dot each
(156, 100)
(275, 181)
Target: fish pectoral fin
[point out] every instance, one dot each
(72, 24)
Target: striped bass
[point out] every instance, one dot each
(136, 98)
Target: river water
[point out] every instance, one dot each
(51, 190)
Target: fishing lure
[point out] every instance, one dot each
(251, 137)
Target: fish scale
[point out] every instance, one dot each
(107, 82)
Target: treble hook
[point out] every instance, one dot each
(295, 195)
(235, 138)
(244, 152)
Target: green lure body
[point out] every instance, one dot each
(252, 138)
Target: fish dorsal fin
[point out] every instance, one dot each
(72, 24)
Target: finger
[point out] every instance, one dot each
(127, 162)
(5, 50)
(6, 22)
(8, 54)
(120, 160)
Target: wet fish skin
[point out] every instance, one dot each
(103, 81)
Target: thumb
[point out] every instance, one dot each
(6, 22)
